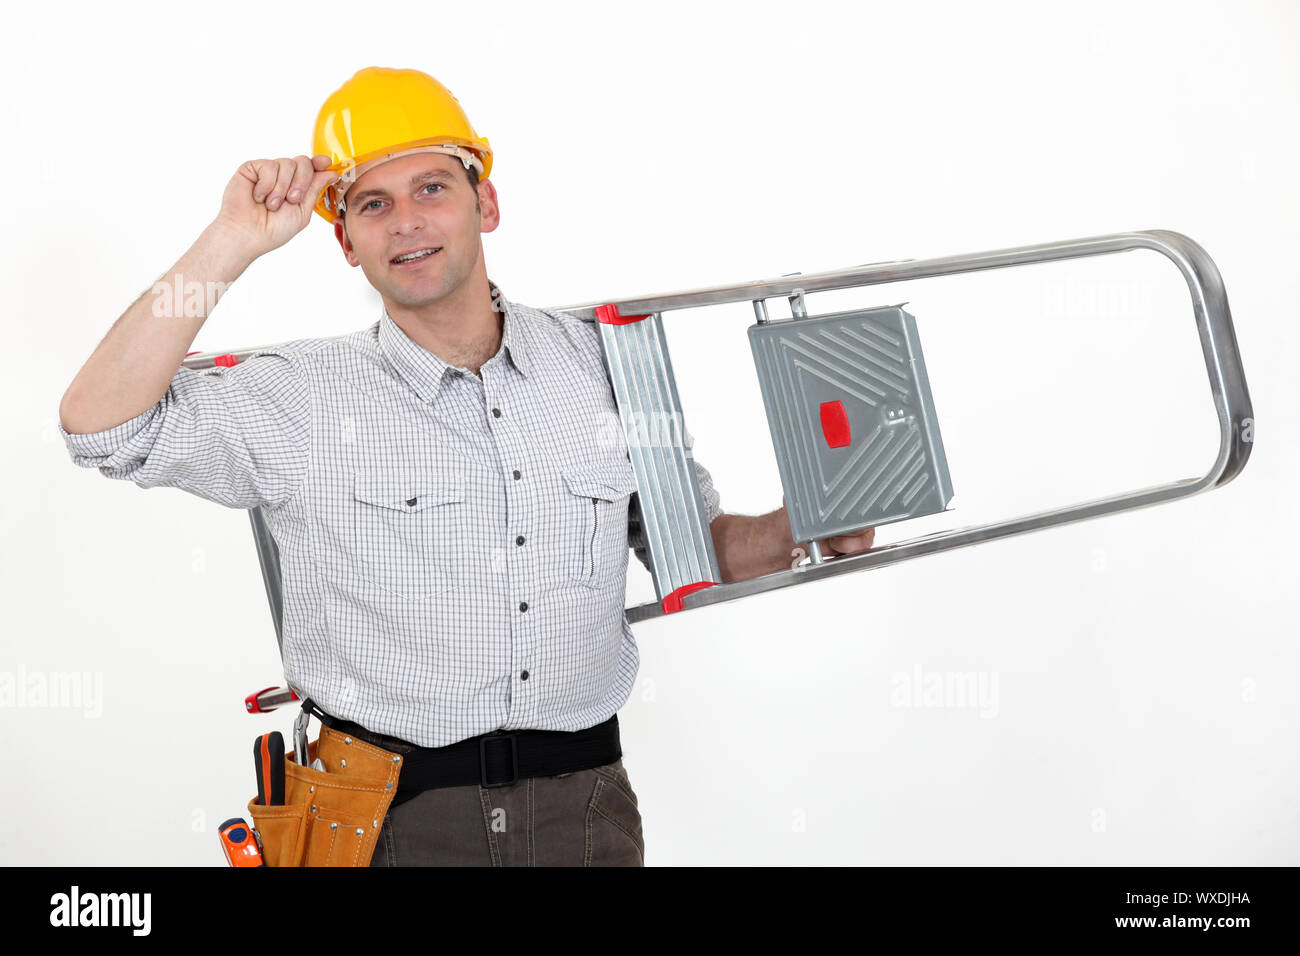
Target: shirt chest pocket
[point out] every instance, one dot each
(407, 531)
(599, 494)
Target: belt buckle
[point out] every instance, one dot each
(482, 760)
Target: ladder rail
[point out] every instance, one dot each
(1214, 327)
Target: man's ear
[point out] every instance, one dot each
(341, 235)
(487, 198)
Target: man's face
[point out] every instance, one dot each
(419, 202)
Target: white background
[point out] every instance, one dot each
(1139, 670)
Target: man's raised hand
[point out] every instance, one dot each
(269, 201)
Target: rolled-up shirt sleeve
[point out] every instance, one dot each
(636, 532)
(239, 436)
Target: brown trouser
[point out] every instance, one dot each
(583, 818)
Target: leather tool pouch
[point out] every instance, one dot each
(329, 818)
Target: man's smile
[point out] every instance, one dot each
(412, 257)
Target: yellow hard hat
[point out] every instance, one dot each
(381, 113)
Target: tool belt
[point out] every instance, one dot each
(333, 817)
(329, 817)
(496, 759)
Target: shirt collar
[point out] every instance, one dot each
(424, 371)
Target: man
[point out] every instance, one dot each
(449, 488)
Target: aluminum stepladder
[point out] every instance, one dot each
(680, 548)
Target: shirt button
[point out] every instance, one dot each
(524, 676)
(519, 540)
(516, 475)
(496, 413)
(523, 605)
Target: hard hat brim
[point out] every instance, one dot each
(350, 170)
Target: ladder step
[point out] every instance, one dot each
(673, 517)
(852, 420)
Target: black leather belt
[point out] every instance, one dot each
(496, 759)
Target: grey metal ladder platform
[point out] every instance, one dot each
(848, 406)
